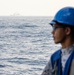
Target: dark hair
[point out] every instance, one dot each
(72, 31)
(71, 27)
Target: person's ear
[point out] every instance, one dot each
(67, 30)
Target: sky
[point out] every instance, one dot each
(32, 7)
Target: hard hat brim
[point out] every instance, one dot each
(52, 23)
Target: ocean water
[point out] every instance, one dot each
(26, 45)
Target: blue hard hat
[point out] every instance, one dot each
(64, 16)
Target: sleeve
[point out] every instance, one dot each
(48, 69)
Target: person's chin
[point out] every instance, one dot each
(56, 42)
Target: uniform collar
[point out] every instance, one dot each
(67, 50)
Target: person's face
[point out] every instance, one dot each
(58, 33)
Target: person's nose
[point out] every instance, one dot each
(52, 32)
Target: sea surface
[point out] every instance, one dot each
(26, 44)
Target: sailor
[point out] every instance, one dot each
(62, 60)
